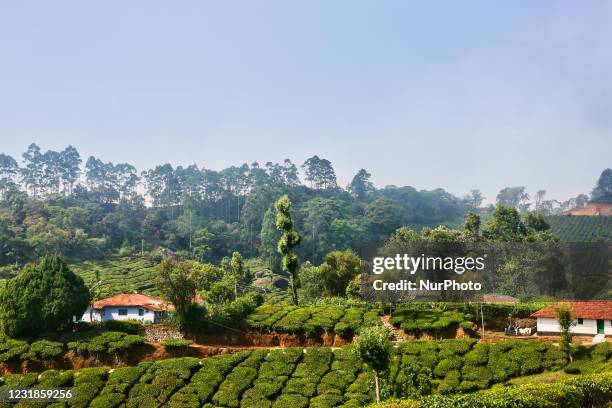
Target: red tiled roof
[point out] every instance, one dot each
(594, 309)
(133, 299)
(591, 209)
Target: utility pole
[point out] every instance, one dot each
(482, 320)
(235, 288)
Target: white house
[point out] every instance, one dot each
(128, 306)
(591, 317)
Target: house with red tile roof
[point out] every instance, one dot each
(590, 317)
(128, 306)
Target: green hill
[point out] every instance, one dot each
(581, 228)
(119, 275)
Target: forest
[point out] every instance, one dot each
(55, 201)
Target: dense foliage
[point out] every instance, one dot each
(44, 297)
(594, 390)
(51, 202)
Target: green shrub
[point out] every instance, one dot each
(602, 351)
(235, 384)
(110, 400)
(478, 356)
(125, 326)
(177, 343)
(448, 364)
(326, 401)
(11, 349)
(291, 401)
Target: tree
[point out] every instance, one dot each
(8, 171)
(374, 348)
(471, 227)
(70, 162)
(343, 267)
(514, 197)
(361, 184)
(320, 173)
(32, 172)
(474, 199)
(602, 193)
(177, 283)
(566, 321)
(539, 200)
(243, 278)
(44, 297)
(505, 225)
(288, 241)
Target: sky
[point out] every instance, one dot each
(457, 95)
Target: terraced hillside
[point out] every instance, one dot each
(581, 228)
(119, 275)
(300, 378)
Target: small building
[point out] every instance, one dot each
(592, 209)
(590, 317)
(128, 306)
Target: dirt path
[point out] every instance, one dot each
(398, 334)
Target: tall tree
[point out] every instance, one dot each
(320, 173)
(289, 240)
(70, 167)
(32, 172)
(361, 184)
(44, 297)
(177, 282)
(602, 193)
(514, 197)
(8, 171)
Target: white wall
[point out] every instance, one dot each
(112, 313)
(588, 326)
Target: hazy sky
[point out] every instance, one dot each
(452, 94)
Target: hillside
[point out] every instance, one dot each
(581, 228)
(118, 275)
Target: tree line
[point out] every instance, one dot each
(56, 201)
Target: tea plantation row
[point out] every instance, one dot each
(311, 320)
(594, 390)
(93, 344)
(293, 377)
(119, 275)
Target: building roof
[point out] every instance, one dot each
(593, 309)
(134, 300)
(591, 209)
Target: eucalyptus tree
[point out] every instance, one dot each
(8, 172)
(32, 170)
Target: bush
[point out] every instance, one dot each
(110, 400)
(602, 351)
(291, 400)
(177, 343)
(45, 349)
(10, 349)
(125, 326)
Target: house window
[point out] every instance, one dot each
(122, 312)
(580, 321)
(140, 312)
(102, 312)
